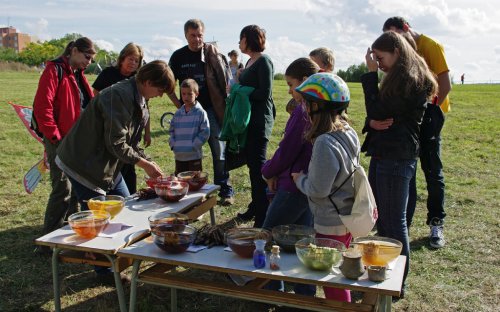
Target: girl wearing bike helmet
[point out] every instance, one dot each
(327, 97)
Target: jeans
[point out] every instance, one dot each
(221, 176)
(62, 201)
(430, 160)
(188, 165)
(289, 208)
(130, 177)
(390, 182)
(255, 152)
(84, 194)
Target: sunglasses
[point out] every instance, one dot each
(89, 57)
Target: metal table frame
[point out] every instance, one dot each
(134, 213)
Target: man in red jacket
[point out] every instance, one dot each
(63, 92)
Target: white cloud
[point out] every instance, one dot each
(103, 44)
(38, 29)
(283, 51)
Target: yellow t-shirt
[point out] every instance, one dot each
(433, 53)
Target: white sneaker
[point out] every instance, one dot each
(436, 237)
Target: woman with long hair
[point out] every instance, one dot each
(406, 87)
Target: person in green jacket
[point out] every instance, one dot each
(108, 133)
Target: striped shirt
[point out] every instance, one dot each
(188, 132)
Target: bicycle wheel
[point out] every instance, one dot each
(165, 120)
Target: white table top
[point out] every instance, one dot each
(135, 213)
(291, 269)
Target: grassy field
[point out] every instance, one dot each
(464, 276)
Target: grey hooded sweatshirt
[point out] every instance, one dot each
(329, 168)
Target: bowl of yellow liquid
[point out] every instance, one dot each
(376, 250)
(113, 204)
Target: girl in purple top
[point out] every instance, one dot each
(289, 205)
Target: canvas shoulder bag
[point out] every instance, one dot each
(364, 209)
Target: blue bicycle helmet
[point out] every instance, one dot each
(326, 88)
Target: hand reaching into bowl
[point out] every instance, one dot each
(150, 167)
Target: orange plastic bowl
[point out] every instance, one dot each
(88, 224)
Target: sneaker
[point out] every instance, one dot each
(436, 237)
(226, 201)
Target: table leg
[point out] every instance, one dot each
(385, 304)
(173, 300)
(133, 284)
(55, 278)
(212, 216)
(118, 282)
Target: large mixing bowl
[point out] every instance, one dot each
(241, 240)
(172, 191)
(88, 224)
(151, 182)
(165, 217)
(319, 253)
(110, 203)
(376, 250)
(195, 179)
(173, 238)
(287, 235)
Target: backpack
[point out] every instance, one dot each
(33, 123)
(364, 212)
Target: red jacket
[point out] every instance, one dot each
(57, 103)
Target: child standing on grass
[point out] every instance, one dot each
(325, 59)
(189, 130)
(289, 205)
(335, 143)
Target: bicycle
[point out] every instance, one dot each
(166, 119)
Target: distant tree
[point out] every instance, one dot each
(37, 53)
(279, 76)
(353, 72)
(8, 54)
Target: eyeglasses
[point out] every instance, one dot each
(89, 57)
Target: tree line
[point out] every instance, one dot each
(37, 53)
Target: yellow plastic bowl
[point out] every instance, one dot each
(113, 204)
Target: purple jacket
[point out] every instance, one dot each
(293, 153)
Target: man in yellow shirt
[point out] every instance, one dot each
(430, 145)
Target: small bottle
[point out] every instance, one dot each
(274, 259)
(259, 254)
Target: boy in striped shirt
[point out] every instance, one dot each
(189, 130)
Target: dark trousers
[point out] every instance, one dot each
(62, 201)
(189, 165)
(430, 161)
(255, 151)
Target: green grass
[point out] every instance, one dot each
(461, 277)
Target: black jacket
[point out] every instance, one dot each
(401, 140)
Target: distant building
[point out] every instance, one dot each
(10, 38)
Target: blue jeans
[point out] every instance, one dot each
(84, 194)
(289, 208)
(390, 182)
(430, 160)
(221, 176)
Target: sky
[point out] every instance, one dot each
(468, 30)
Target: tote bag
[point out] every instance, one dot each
(364, 212)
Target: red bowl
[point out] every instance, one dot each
(172, 191)
(151, 182)
(195, 179)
